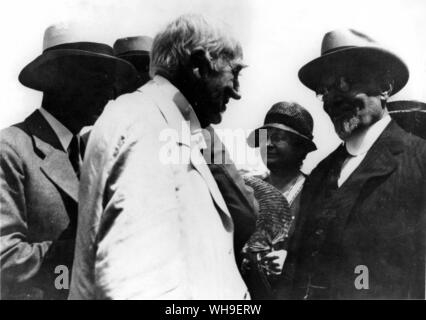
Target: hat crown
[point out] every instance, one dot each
(345, 38)
(66, 32)
(293, 115)
(138, 43)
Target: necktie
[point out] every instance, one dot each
(74, 155)
(341, 155)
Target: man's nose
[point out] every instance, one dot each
(234, 94)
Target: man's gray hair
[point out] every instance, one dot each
(172, 47)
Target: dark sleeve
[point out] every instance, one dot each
(242, 212)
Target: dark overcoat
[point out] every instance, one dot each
(366, 239)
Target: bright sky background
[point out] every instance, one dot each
(278, 37)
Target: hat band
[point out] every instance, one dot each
(141, 52)
(336, 49)
(285, 128)
(93, 47)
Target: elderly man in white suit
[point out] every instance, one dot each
(153, 223)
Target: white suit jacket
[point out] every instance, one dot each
(152, 222)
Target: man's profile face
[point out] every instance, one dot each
(351, 104)
(90, 99)
(217, 88)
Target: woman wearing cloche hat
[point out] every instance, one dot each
(284, 140)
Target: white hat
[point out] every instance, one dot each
(70, 57)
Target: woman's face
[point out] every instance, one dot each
(281, 149)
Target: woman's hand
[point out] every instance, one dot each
(273, 262)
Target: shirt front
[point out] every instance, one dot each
(63, 133)
(358, 146)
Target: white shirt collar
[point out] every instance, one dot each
(360, 143)
(185, 109)
(64, 134)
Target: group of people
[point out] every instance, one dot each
(105, 205)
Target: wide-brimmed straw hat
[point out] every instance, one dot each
(347, 51)
(410, 115)
(71, 58)
(290, 117)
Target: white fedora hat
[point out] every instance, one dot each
(346, 51)
(71, 57)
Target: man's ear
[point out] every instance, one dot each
(386, 90)
(201, 63)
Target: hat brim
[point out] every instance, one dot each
(409, 115)
(349, 60)
(140, 60)
(406, 105)
(55, 69)
(253, 138)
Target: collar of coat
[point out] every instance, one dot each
(55, 162)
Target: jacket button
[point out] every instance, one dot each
(319, 232)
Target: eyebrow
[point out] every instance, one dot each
(238, 66)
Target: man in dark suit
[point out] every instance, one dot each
(40, 157)
(362, 227)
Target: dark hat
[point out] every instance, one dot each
(69, 58)
(135, 50)
(410, 115)
(287, 116)
(347, 51)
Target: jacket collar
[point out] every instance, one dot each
(362, 142)
(380, 161)
(180, 116)
(55, 165)
(63, 133)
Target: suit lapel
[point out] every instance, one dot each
(379, 162)
(55, 164)
(174, 119)
(198, 162)
(219, 155)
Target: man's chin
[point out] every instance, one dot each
(345, 128)
(207, 120)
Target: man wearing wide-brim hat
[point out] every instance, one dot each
(361, 231)
(40, 160)
(135, 50)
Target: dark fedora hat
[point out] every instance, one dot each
(290, 117)
(410, 115)
(135, 50)
(69, 58)
(347, 51)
